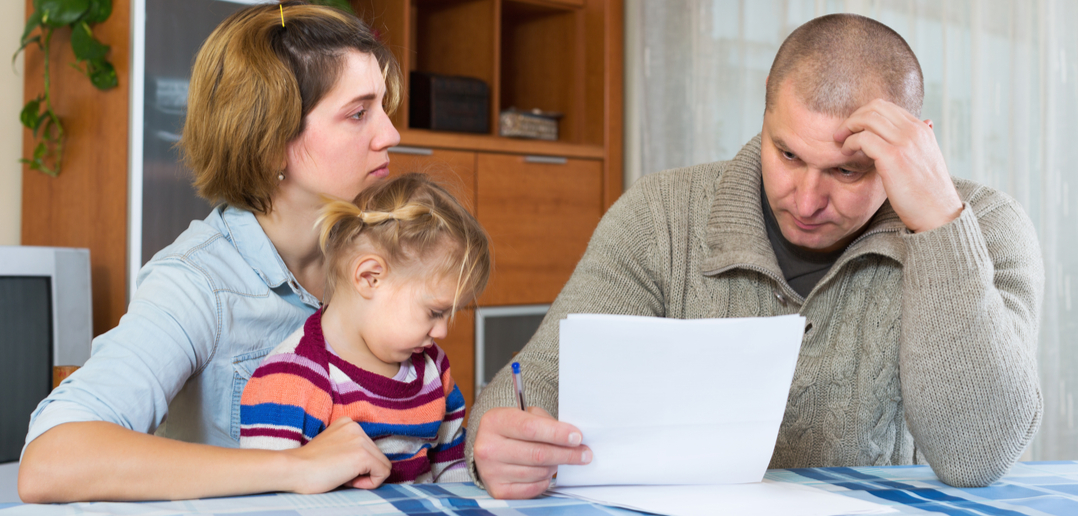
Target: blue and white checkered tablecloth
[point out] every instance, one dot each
(1031, 489)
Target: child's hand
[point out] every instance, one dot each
(341, 454)
(516, 453)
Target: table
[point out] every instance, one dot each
(1031, 488)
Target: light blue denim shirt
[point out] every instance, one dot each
(208, 308)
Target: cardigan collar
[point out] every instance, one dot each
(736, 235)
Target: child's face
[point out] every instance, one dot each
(408, 315)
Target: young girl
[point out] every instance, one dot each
(400, 261)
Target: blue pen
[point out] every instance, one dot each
(519, 384)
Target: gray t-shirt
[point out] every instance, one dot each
(802, 269)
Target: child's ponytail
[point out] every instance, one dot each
(407, 219)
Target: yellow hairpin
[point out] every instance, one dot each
(282, 15)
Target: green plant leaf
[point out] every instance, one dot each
(43, 118)
(58, 13)
(98, 12)
(343, 5)
(102, 74)
(85, 45)
(31, 24)
(39, 151)
(31, 114)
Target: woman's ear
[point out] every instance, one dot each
(368, 274)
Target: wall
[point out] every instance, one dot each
(11, 80)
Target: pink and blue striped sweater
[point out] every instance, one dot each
(414, 418)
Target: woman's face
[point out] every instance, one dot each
(343, 148)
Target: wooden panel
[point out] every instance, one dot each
(459, 345)
(87, 205)
(454, 169)
(541, 65)
(614, 70)
(540, 217)
(457, 37)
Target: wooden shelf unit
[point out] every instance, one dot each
(539, 200)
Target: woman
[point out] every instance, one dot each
(278, 117)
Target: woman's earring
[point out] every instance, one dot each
(280, 176)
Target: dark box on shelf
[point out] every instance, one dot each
(447, 103)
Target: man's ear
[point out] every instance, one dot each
(368, 274)
(929, 124)
(766, 77)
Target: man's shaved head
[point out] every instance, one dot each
(839, 62)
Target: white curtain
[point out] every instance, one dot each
(1001, 85)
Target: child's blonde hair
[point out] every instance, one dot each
(407, 219)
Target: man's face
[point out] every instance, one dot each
(821, 198)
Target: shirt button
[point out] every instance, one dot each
(780, 297)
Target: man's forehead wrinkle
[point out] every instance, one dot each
(809, 146)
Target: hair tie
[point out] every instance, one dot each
(282, 15)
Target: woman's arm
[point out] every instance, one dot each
(102, 461)
(89, 440)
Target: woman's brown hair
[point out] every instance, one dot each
(408, 219)
(254, 82)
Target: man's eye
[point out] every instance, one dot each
(789, 155)
(846, 174)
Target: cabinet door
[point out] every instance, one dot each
(540, 216)
(455, 170)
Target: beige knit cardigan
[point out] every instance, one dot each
(918, 347)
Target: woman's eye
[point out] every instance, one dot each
(436, 314)
(360, 114)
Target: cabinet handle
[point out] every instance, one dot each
(416, 151)
(546, 160)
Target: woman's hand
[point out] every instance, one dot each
(516, 453)
(342, 454)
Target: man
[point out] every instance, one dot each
(921, 291)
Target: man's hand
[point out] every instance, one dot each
(341, 454)
(908, 160)
(516, 453)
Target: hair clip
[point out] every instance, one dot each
(282, 15)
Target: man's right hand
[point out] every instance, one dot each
(516, 453)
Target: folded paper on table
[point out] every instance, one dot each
(671, 401)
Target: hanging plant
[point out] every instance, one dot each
(38, 115)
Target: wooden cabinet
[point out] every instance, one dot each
(540, 213)
(539, 200)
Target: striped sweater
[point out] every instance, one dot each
(414, 418)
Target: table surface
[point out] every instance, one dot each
(1031, 488)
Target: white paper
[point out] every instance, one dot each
(757, 499)
(671, 401)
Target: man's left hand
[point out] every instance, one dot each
(908, 160)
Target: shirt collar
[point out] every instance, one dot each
(736, 233)
(254, 246)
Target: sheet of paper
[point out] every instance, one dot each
(670, 401)
(757, 499)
